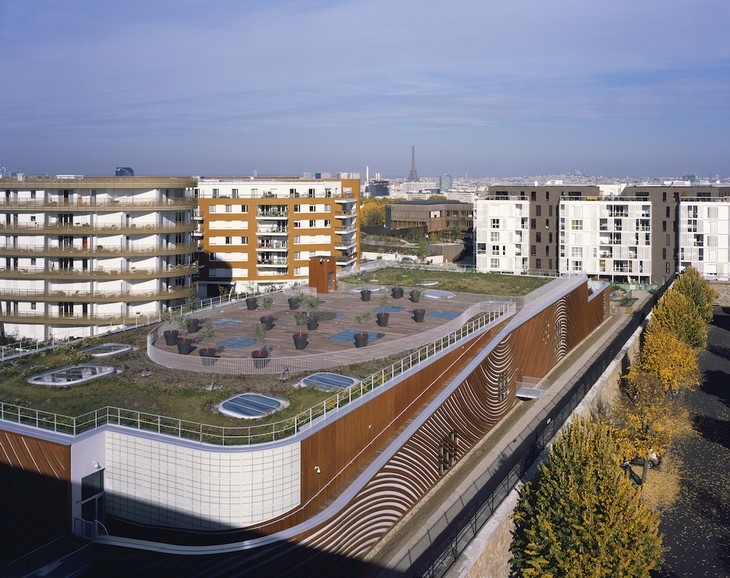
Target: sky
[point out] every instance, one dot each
(282, 87)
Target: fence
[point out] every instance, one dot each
(247, 435)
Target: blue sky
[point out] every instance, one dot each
(480, 87)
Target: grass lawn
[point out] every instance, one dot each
(186, 395)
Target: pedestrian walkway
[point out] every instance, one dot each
(417, 532)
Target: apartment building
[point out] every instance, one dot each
(635, 234)
(261, 232)
(80, 255)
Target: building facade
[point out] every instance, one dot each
(80, 256)
(257, 233)
(632, 234)
(432, 216)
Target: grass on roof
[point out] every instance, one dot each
(187, 395)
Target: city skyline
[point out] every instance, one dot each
(280, 88)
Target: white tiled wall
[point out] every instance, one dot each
(153, 482)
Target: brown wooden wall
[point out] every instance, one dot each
(530, 349)
(35, 492)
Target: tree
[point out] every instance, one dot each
(678, 315)
(695, 288)
(372, 213)
(668, 358)
(581, 516)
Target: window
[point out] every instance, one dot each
(495, 249)
(32, 260)
(234, 193)
(229, 208)
(494, 237)
(495, 223)
(211, 208)
(577, 266)
(312, 224)
(244, 208)
(538, 210)
(229, 240)
(533, 224)
(533, 196)
(312, 208)
(327, 222)
(215, 193)
(494, 263)
(576, 252)
(538, 263)
(32, 218)
(576, 225)
(32, 194)
(668, 212)
(538, 237)
(297, 240)
(244, 240)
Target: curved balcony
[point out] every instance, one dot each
(69, 320)
(49, 229)
(85, 205)
(98, 274)
(99, 251)
(81, 296)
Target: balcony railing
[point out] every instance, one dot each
(85, 228)
(92, 296)
(98, 274)
(97, 251)
(102, 205)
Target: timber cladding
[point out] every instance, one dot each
(333, 456)
(35, 490)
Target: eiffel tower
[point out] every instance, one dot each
(413, 175)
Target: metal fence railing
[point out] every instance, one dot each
(254, 434)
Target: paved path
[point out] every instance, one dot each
(697, 529)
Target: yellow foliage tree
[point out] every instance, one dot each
(372, 213)
(677, 314)
(669, 359)
(693, 286)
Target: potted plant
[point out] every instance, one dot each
(365, 294)
(209, 354)
(312, 304)
(361, 337)
(418, 315)
(300, 338)
(295, 301)
(171, 336)
(416, 295)
(397, 292)
(267, 320)
(184, 345)
(208, 334)
(383, 315)
(193, 324)
(260, 354)
(252, 302)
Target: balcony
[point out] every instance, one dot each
(272, 213)
(271, 230)
(84, 205)
(346, 244)
(346, 259)
(272, 246)
(98, 274)
(87, 229)
(81, 296)
(98, 251)
(345, 229)
(57, 319)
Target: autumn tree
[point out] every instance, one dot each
(695, 288)
(580, 516)
(668, 358)
(372, 213)
(678, 315)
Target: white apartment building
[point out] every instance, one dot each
(704, 236)
(80, 256)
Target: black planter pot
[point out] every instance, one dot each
(294, 302)
(312, 323)
(260, 358)
(252, 303)
(300, 340)
(184, 345)
(415, 296)
(361, 339)
(208, 354)
(194, 325)
(267, 321)
(171, 336)
(397, 292)
(365, 294)
(418, 315)
(382, 319)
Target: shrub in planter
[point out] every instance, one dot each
(209, 355)
(193, 325)
(361, 337)
(171, 336)
(418, 315)
(252, 303)
(300, 340)
(416, 295)
(397, 292)
(294, 302)
(267, 321)
(382, 319)
(365, 294)
(184, 345)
